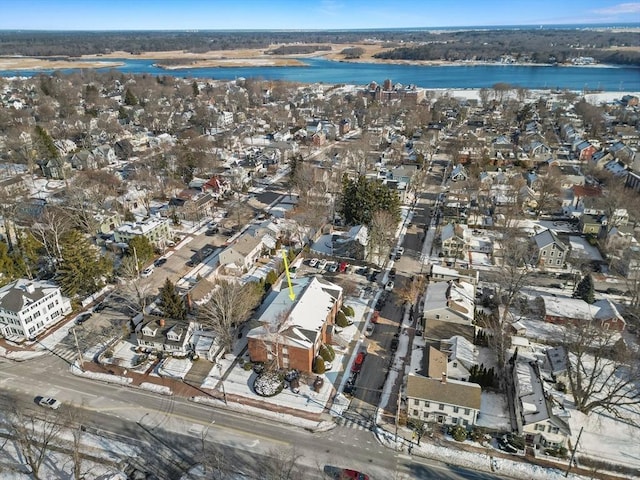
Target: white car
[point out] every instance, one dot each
(147, 272)
(369, 330)
(313, 262)
(333, 267)
(389, 286)
(322, 265)
(50, 402)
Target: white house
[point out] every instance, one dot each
(29, 307)
(156, 229)
(443, 401)
(165, 335)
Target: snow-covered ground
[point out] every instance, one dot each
(494, 412)
(176, 368)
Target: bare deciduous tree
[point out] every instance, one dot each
(231, 304)
(604, 373)
(33, 436)
(381, 236)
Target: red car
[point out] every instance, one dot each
(375, 316)
(357, 365)
(347, 474)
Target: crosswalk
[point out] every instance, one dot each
(354, 423)
(66, 353)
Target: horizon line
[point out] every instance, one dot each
(531, 26)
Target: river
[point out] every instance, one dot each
(577, 78)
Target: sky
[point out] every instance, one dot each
(304, 14)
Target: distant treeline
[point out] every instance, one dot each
(298, 49)
(536, 45)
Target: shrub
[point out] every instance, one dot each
(247, 366)
(348, 310)
(108, 353)
(318, 365)
(459, 433)
(331, 352)
(326, 354)
(268, 384)
(341, 320)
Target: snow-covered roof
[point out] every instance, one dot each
(299, 321)
(460, 349)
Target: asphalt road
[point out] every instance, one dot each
(169, 430)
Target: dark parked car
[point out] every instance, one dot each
(394, 344)
(392, 273)
(83, 317)
(159, 262)
(99, 307)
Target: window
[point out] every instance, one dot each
(467, 411)
(553, 429)
(544, 253)
(456, 409)
(465, 422)
(454, 420)
(551, 254)
(437, 316)
(558, 262)
(425, 414)
(416, 402)
(455, 364)
(539, 428)
(427, 404)
(441, 406)
(415, 413)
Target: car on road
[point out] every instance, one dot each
(313, 262)
(100, 307)
(147, 272)
(389, 286)
(394, 344)
(159, 262)
(333, 267)
(369, 330)
(345, 474)
(357, 364)
(83, 317)
(206, 251)
(50, 402)
(349, 388)
(392, 274)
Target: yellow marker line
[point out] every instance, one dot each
(292, 295)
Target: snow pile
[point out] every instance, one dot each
(174, 368)
(103, 377)
(153, 387)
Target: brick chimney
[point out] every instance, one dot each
(444, 378)
(161, 322)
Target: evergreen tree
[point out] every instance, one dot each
(45, 144)
(362, 197)
(141, 248)
(129, 98)
(81, 270)
(171, 304)
(585, 289)
(8, 268)
(195, 89)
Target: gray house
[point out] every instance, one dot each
(551, 251)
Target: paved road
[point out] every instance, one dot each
(169, 430)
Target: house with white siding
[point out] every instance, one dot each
(29, 307)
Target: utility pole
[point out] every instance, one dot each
(78, 348)
(573, 453)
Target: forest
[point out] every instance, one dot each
(535, 45)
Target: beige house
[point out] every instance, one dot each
(158, 334)
(443, 401)
(156, 229)
(244, 252)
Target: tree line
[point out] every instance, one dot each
(539, 45)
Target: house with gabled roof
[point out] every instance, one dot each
(290, 331)
(245, 251)
(452, 301)
(563, 310)
(540, 418)
(551, 251)
(29, 307)
(442, 401)
(461, 354)
(159, 334)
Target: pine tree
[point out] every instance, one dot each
(81, 270)
(141, 248)
(585, 289)
(130, 98)
(171, 304)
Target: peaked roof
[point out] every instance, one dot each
(15, 296)
(451, 392)
(547, 237)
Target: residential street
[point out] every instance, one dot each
(170, 429)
